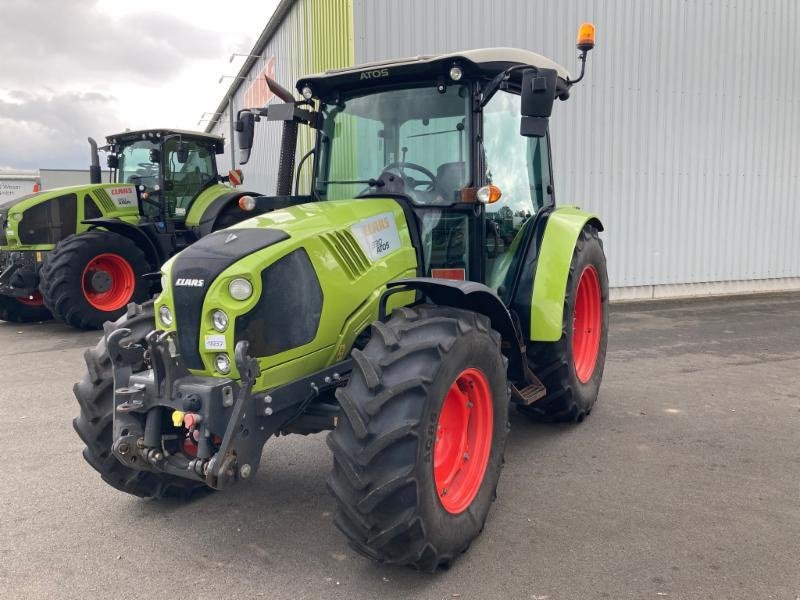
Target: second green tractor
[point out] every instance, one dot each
(426, 283)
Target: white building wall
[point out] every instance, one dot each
(683, 137)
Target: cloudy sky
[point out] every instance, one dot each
(74, 68)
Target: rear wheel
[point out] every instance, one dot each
(23, 310)
(90, 278)
(572, 368)
(419, 447)
(95, 422)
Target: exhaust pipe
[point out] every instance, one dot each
(94, 166)
(286, 163)
(288, 142)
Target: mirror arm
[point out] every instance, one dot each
(491, 88)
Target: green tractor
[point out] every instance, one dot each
(82, 253)
(383, 307)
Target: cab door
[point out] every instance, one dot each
(520, 167)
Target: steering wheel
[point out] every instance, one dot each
(402, 165)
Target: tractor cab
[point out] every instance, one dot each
(461, 139)
(168, 168)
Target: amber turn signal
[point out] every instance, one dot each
(489, 194)
(585, 41)
(247, 203)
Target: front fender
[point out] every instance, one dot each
(474, 296)
(564, 225)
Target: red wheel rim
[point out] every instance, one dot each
(121, 282)
(34, 299)
(463, 440)
(587, 324)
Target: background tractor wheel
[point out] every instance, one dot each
(419, 447)
(23, 310)
(90, 278)
(572, 368)
(94, 423)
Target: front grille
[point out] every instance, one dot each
(347, 252)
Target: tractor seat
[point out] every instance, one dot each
(450, 178)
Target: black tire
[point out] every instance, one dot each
(569, 399)
(62, 282)
(94, 423)
(383, 481)
(15, 311)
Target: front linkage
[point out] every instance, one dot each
(217, 426)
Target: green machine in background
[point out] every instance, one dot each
(428, 281)
(81, 253)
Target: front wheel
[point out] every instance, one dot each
(571, 369)
(23, 310)
(419, 448)
(89, 278)
(94, 424)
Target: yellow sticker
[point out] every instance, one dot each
(340, 352)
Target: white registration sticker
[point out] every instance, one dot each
(215, 342)
(123, 196)
(377, 235)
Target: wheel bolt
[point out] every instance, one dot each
(466, 455)
(123, 448)
(469, 404)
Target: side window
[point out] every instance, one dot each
(90, 210)
(519, 166)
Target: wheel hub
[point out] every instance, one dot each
(100, 281)
(463, 440)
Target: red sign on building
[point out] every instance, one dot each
(258, 94)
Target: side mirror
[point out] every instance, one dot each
(112, 161)
(155, 156)
(245, 129)
(536, 103)
(182, 153)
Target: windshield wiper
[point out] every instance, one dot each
(369, 182)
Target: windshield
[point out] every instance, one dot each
(406, 141)
(134, 164)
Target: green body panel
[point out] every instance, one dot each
(200, 204)
(552, 270)
(350, 298)
(103, 198)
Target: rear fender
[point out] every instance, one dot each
(151, 251)
(474, 296)
(564, 225)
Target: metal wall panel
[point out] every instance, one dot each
(313, 35)
(683, 138)
(290, 46)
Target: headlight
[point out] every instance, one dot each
(240, 289)
(223, 363)
(165, 314)
(164, 282)
(307, 92)
(220, 320)
(17, 216)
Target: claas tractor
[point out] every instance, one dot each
(82, 253)
(398, 304)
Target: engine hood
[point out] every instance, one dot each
(317, 271)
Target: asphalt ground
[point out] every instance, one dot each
(683, 483)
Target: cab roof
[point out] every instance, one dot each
(486, 62)
(127, 136)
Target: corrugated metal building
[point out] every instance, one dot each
(683, 138)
